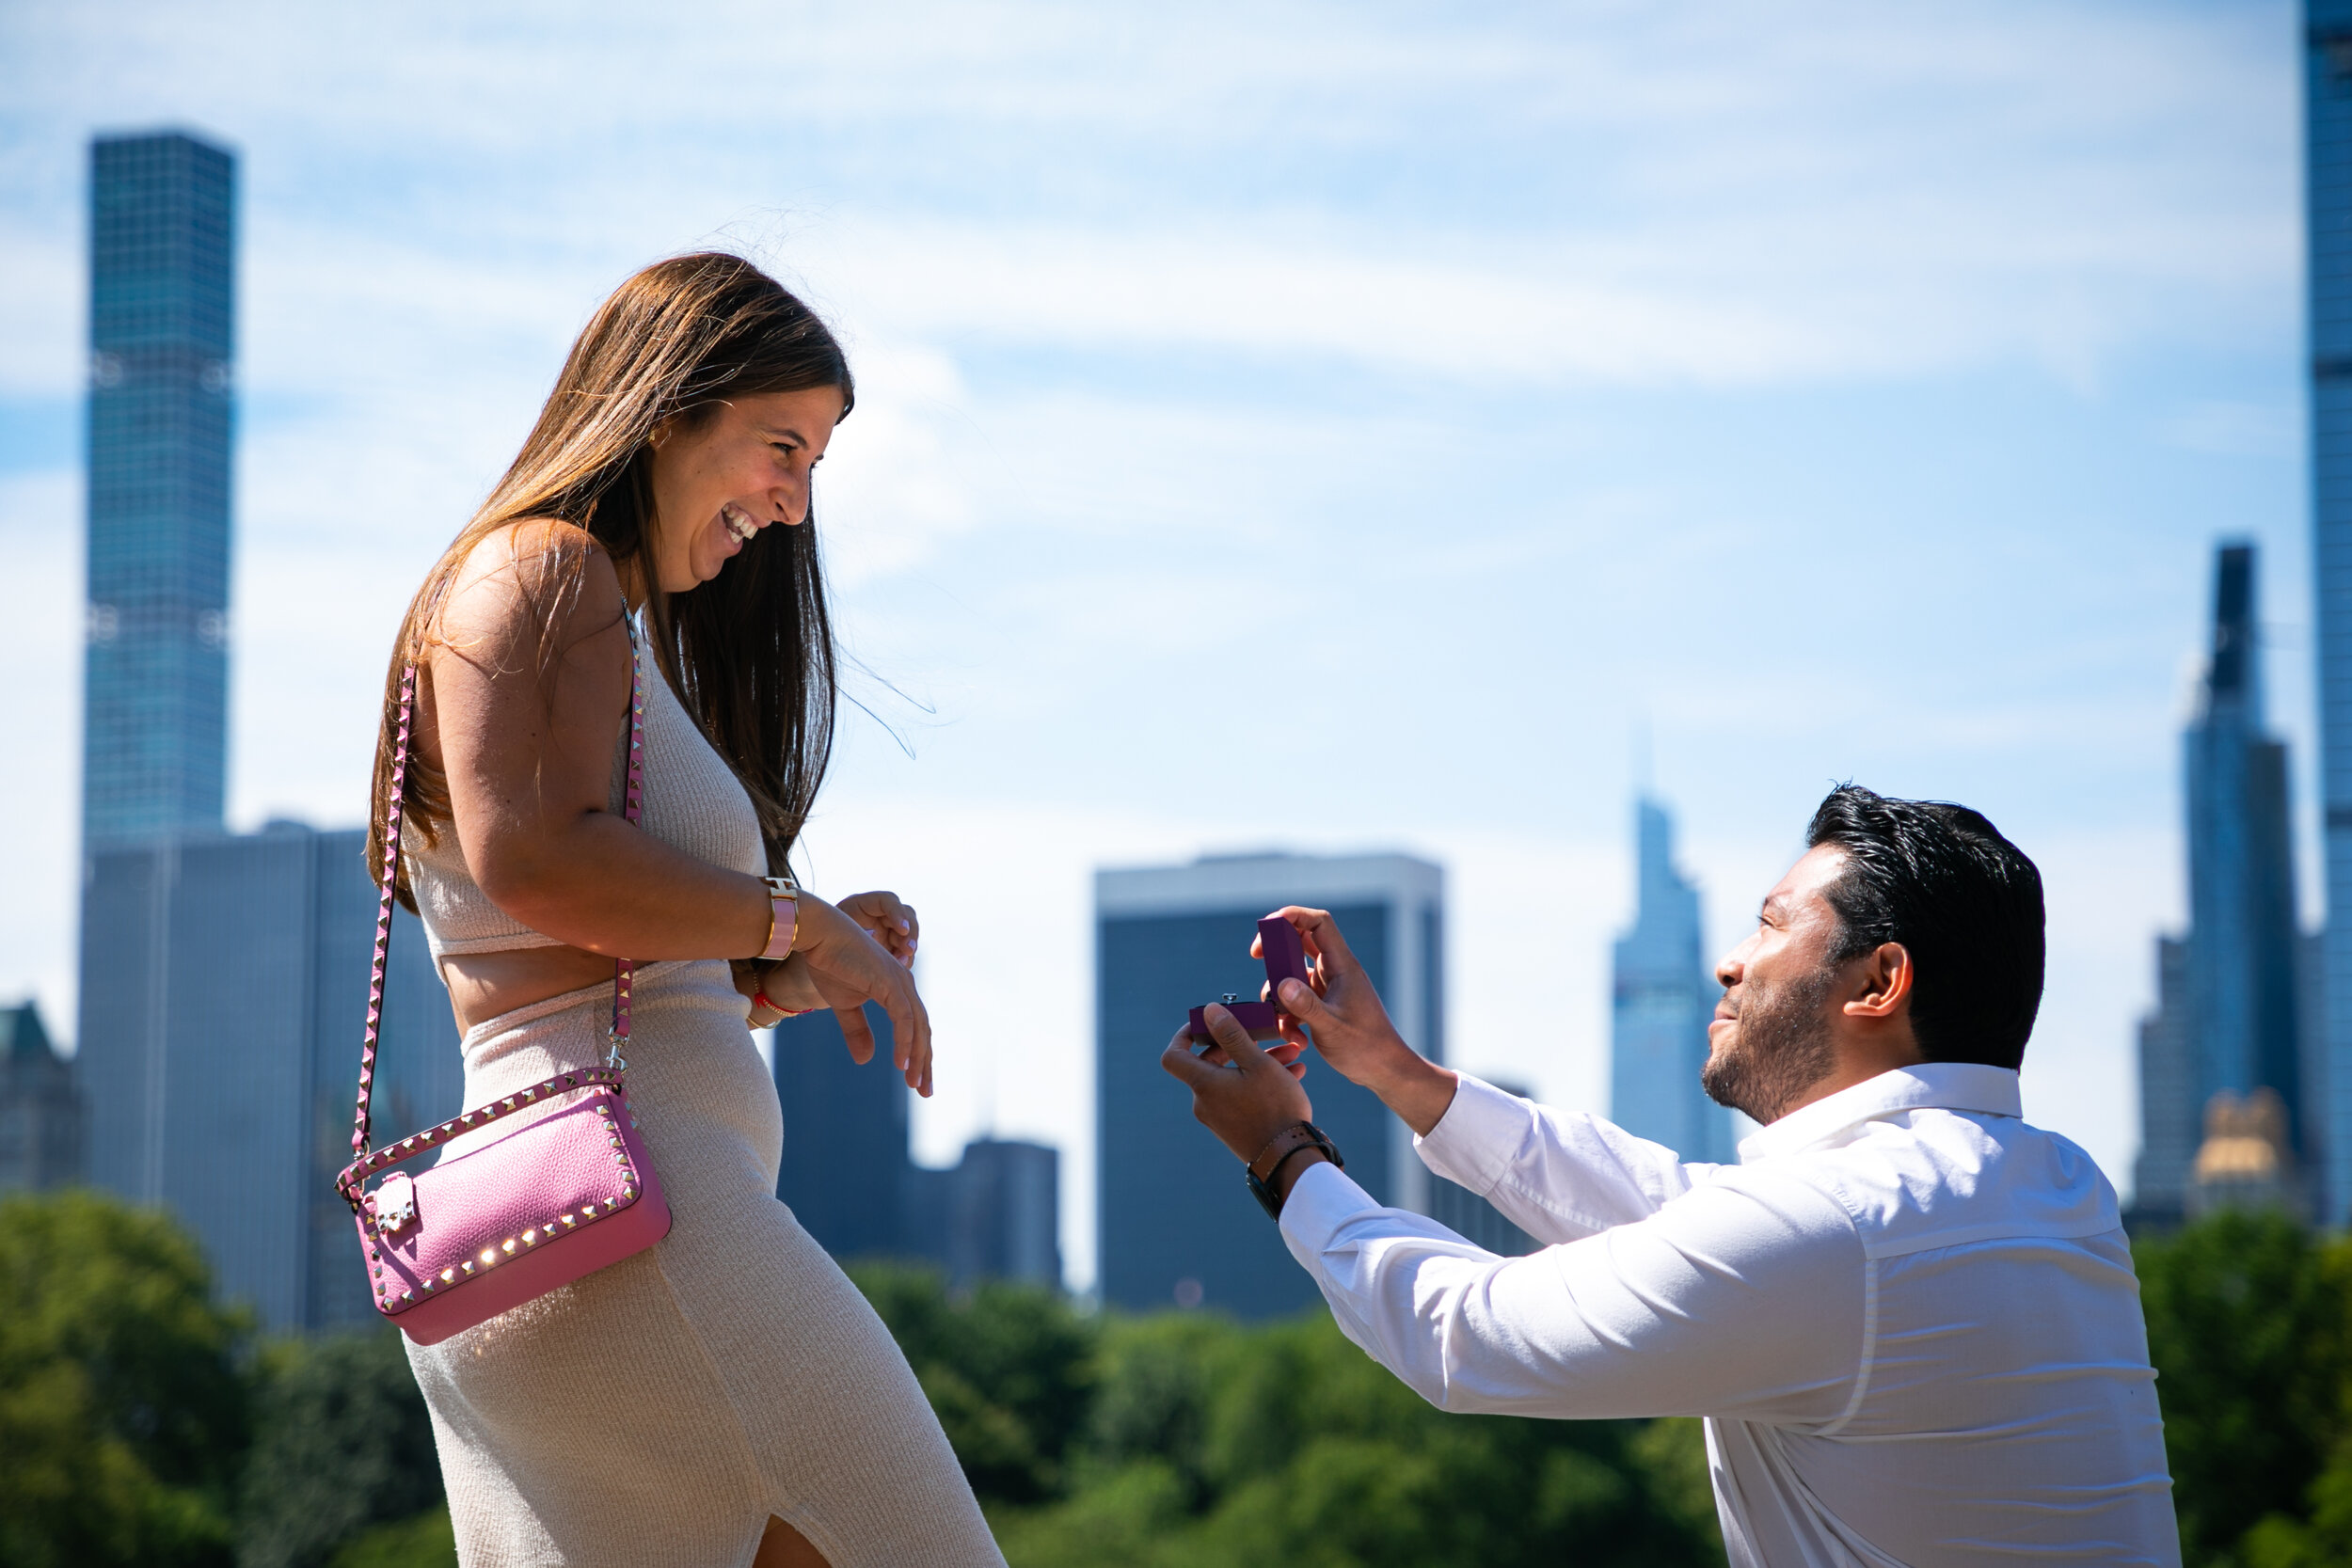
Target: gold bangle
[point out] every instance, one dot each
(782, 890)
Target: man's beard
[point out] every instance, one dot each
(1781, 1047)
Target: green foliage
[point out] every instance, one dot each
(342, 1441)
(2248, 1329)
(1008, 1370)
(1672, 1452)
(1186, 1441)
(427, 1541)
(122, 1413)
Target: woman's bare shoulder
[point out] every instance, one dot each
(527, 579)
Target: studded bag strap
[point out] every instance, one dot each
(388, 879)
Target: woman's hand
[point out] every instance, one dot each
(888, 919)
(775, 989)
(848, 969)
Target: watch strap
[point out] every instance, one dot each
(1297, 1138)
(1289, 1141)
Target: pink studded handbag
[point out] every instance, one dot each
(565, 1192)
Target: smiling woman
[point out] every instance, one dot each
(663, 504)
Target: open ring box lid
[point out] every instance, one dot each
(1285, 959)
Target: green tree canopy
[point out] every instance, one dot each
(342, 1442)
(1187, 1441)
(122, 1413)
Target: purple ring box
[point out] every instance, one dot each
(1285, 959)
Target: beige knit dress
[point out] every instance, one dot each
(659, 1411)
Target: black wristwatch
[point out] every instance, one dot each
(1296, 1138)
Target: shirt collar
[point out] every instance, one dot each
(1937, 1085)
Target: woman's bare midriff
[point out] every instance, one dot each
(484, 985)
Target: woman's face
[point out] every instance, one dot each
(747, 468)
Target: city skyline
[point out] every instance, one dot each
(1537, 373)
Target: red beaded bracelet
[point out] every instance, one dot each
(759, 999)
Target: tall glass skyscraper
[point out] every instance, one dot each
(2229, 1003)
(2328, 110)
(1663, 994)
(2241, 865)
(163, 247)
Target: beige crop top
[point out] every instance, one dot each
(692, 803)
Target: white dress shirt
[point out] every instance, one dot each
(1909, 1319)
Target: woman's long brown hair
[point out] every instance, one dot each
(750, 653)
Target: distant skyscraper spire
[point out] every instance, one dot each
(2229, 1011)
(163, 246)
(1664, 994)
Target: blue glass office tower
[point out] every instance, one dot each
(223, 994)
(1177, 1226)
(163, 246)
(2328, 109)
(847, 1173)
(1004, 1214)
(1663, 994)
(2241, 865)
(2229, 1008)
(851, 1180)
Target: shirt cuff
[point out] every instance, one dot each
(1472, 1143)
(1321, 1200)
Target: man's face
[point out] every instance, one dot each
(1771, 1038)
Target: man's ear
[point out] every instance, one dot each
(1882, 982)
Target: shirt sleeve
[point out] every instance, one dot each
(1743, 1298)
(1557, 1175)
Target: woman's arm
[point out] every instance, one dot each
(530, 765)
(529, 761)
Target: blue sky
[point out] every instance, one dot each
(1307, 425)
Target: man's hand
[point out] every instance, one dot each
(1351, 1029)
(1240, 1093)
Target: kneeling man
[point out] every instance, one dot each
(1909, 1318)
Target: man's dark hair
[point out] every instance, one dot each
(1942, 880)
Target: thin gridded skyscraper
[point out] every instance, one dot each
(163, 247)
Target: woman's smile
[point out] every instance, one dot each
(745, 467)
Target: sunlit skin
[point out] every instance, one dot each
(1866, 1009)
(529, 768)
(751, 462)
(1245, 1095)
